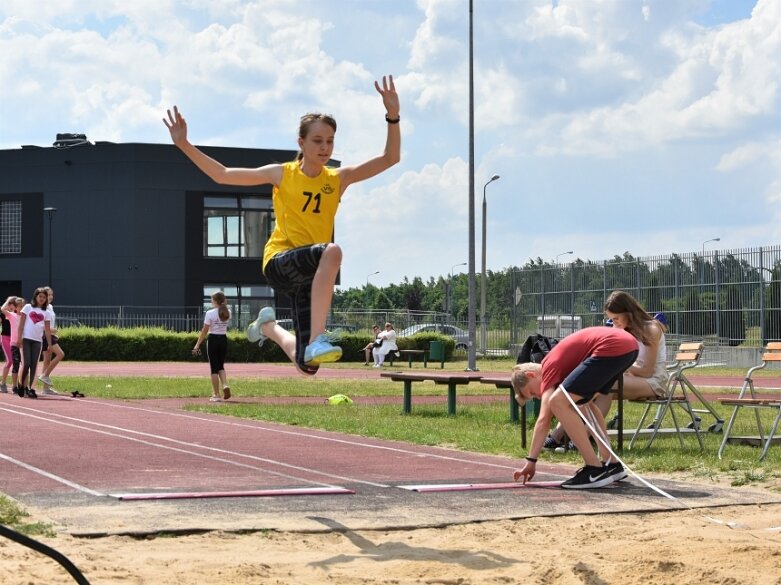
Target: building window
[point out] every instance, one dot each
(243, 301)
(10, 227)
(236, 226)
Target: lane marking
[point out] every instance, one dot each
(259, 427)
(235, 494)
(192, 445)
(461, 487)
(51, 476)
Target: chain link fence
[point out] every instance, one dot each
(726, 298)
(730, 299)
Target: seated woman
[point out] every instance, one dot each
(388, 338)
(647, 377)
(367, 350)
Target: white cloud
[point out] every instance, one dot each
(419, 221)
(741, 156)
(724, 78)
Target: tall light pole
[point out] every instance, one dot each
(482, 277)
(556, 259)
(450, 290)
(51, 211)
(471, 358)
(369, 276)
(702, 269)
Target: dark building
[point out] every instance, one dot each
(133, 225)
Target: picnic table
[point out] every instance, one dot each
(451, 380)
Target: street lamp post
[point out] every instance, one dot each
(50, 211)
(483, 275)
(369, 276)
(556, 259)
(450, 290)
(702, 268)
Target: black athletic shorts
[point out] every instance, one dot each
(596, 375)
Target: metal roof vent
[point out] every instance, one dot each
(67, 140)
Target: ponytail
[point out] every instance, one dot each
(223, 311)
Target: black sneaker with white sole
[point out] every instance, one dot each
(616, 470)
(550, 443)
(589, 477)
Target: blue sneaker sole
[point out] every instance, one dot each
(333, 355)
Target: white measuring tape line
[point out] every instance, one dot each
(597, 432)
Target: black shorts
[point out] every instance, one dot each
(55, 341)
(596, 375)
(16, 355)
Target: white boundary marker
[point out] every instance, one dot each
(189, 451)
(51, 476)
(313, 435)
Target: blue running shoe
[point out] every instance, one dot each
(320, 351)
(254, 334)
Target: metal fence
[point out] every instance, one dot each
(727, 298)
(125, 316)
(183, 318)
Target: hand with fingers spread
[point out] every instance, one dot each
(390, 98)
(177, 126)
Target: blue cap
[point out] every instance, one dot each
(661, 318)
(608, 322)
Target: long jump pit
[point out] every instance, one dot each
(104, 467)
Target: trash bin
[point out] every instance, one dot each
(436, 352)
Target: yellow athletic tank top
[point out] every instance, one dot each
(304, 209)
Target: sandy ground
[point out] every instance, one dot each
(738, 545)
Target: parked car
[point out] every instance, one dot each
(460, 336)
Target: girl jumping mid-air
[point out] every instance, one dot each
(299, 258)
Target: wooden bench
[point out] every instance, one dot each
(409, 354)
(451, 380)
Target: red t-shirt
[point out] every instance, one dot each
(570, 352)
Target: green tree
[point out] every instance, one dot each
(691, 321)
(733, 323)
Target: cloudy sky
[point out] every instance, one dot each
(647, 126)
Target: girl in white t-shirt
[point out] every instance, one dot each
(215, 325)
(34, 325)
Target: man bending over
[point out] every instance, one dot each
(583, 365)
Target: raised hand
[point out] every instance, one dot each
(177, 126)
(390, 98)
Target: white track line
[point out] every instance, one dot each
(197, 454)
(190, 445)
(258, 427)
(51, 476)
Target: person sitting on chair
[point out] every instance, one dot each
(388, 338)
